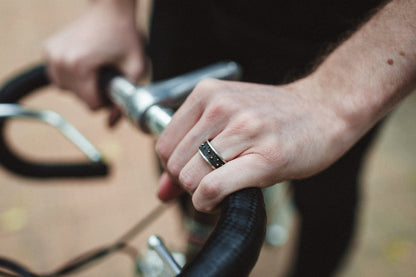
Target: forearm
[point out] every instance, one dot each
(374, 69)
(137, 11)
(115, 2)
(126, 7)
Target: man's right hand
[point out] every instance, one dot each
(106, 34)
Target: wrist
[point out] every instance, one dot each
(338, 92)
(337, 124)
(372, 71)
(114, 2)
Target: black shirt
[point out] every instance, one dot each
(275, 40)
(307, 19)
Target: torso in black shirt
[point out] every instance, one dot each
(272, 39)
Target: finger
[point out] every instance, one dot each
(181, 138)
(65, 67)
(193, 172)
(231, 142)
(87, 89)
(188, 146)
(53, 74)
(182, 121)
(114, 118)
(56, 72)
(52, 64)
(74, 74)
(235, 175)
(167, 188)
(133, 68)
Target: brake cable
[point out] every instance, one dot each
(85, 260)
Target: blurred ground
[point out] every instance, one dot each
(44, 223)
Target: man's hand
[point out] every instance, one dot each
(106, 34)
(273, 133)
(266, 133)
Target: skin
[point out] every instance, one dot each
(74, 54)
(275, 133)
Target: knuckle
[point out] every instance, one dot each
(65, 64)
(71, 63)
(273, 155)
(93, 105)
(220, 106)
(208, 194)
(210, 189)
(205, 89)
(63, 60)
(186, 179)
(215, 110)
(207, 92)
(207, 85)
(78, 60)
(162, 149)
(138, 68)
(135, 69)
(248, 123)
(87, 91)
(173, 167)
(136, 73)
(278, 157)
(202, 207)
(57, 62)
(253, 121)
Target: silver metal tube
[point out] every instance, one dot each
(57, 121)
(173, 92)
(133, 101)
(145, 106)
(157, 245)
(157, 118)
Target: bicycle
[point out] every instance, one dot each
(234, 245)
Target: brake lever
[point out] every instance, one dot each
(54, 119)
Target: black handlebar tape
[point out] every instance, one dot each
(234, 246)
(14, 90)
(105, 75)
(15, 268)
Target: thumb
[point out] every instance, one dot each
(242, 172)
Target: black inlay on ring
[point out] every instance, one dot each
(210, 156)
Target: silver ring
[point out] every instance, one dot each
(210, 155)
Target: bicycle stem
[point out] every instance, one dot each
(151, 107)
